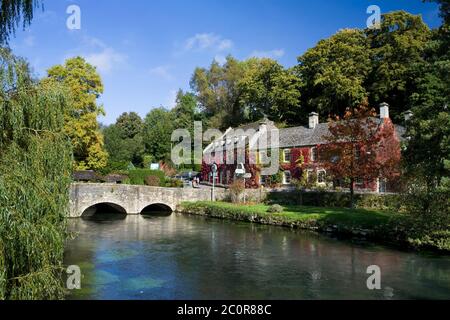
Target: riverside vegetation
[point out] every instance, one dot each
(378, 225)
(35, 175)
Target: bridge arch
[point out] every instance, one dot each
(157, 208)
(103, 207)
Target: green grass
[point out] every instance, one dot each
(361, 218)
(372, 224)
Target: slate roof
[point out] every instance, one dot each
(301, 136)
(304, 136)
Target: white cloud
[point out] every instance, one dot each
(99, 54)
(207, 41)
(276, 53)
(105, 60)
(162, 72)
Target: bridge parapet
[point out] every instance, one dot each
(133, 199)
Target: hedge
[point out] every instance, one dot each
(137, 176)
(335, 199)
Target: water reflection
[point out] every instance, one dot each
(179, 257)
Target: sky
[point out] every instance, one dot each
(145, 50)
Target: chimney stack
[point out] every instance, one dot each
(313, 120)
(384, 110)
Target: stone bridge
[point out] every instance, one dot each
(87, 198)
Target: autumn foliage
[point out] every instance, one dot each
(360, 147)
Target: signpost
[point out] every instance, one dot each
(240, 172)
(214, 168)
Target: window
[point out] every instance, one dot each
(321, 176)
(287, 177)
(359, 182)
(263, 180)
(314, 154)
(287, 155)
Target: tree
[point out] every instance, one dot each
(185, 111)
(218, 93)
(427, 150)
(35, 176)
(334, 73)
(243, 91)
(269, 90)
(395, 47)
(358, 147)
(11, 13)
(157, 134)
(85, 86)
(123, 140)
(130, 124)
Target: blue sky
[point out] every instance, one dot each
(145, 50)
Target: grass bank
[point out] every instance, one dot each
(375, 225)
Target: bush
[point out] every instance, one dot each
(174, 183)
(275, 208)
(119, 167)
(236, 190)
(137, 176)
(152, 181)
(336, 199)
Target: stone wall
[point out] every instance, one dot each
(133, 199)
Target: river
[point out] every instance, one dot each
(188, 257)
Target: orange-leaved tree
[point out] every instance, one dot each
(360, 147)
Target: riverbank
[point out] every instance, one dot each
(375, 225)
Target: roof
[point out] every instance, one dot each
(294, 136)
(85, 175)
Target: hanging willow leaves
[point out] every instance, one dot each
(35, 164)
(12, 12)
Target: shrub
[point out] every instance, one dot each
(336, 199)
(137, 176)
(174, 183)
(236, 190)
(152, 181)
(114, 167)
(275, 208)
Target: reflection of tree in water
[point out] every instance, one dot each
(187, 257)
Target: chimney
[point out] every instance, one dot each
(384, 110)
(408, 115)
(313, 120)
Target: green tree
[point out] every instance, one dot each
(395, 47)
(157, 133)
(267, 89)
(334, 73)
(85, 86)
(130, 124)
(427, 151)
(218, 92)
(185, 111)
(123, 140)
(12, 12)
(35, 175)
